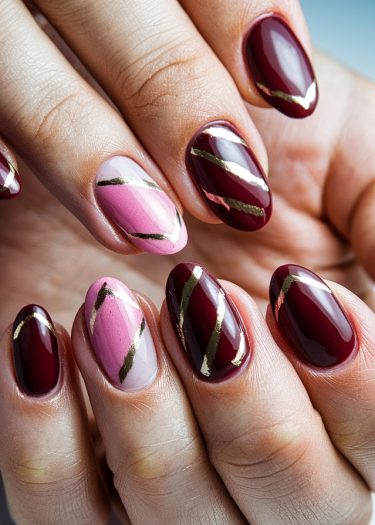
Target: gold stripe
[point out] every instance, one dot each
(304, 102)
(289, 280)
(10, 178)
(185, 299)
(232, 167)
(105, 292)
(237, 361)
(235, 204)
(122, 181)
(213, 343)
(223, 133)
(172, 237)
(40, 318)
(129, 359)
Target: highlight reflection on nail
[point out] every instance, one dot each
(137, 205)
(119, 335)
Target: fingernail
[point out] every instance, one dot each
(119, 335)
(229, 177)
(206, 322)
(35, 351)
(310, 317)
(10, 182)
(136, 204)
(281, 68)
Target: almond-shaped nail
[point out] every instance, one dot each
(139, 207)
(10, 182)
(35, 351)
(119, 335)
(229, 177)
(310, 317)
(280, 67)
(206, 322)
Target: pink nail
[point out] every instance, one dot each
(119, 335)
(136, 204)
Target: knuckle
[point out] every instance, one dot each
(162, 75)
(158, 470)
(274, 458)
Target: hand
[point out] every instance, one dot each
(242, 427)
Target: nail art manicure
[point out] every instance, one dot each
(310, 317)
(35, 351)
(281, 68)
(137, 205)
(229, 177)
(10, 182)
(119, 335)
(206, 322)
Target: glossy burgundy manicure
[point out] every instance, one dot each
(10, 182)
(229, 177)
(206, 322)
(281, 68)
(310, 318)
(35, 348)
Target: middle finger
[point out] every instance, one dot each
(179, 99)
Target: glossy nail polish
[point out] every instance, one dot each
(229, 177)
(206, 322)
(310, 317)
(119, 335)
(281, 68)
(138, 206)
(35, 351)
(10, 182)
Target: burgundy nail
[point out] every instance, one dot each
(281, 68)
(310, 318)
(206, 322)
(35, 350)
(229, 177)
(10, 182)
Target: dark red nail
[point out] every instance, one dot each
(206, 322)
(10, 182)
(310, 318)
(281, 68)
(35, 348)
(229, 177)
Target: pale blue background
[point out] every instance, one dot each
(343, 28)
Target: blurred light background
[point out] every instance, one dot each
(345, 30)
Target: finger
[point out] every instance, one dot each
(331, 343)
(263, 435)
(79, 144)
(10, 182)
(46, 458)
(152, 443)
(179, 100)
(349, 195)
(265, 46)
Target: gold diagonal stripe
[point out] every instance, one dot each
(172, 237)
(35, 315)
(129, 359)
(9, 179)
(213, 343)
(304, 102)
(229, 203)
(287, 283)
(122, 181)
(187, 291)
(224, 133)
(232, 167)
(105, 292)
(237, 361)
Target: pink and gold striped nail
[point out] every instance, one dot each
(119, 335)
(139, 207)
